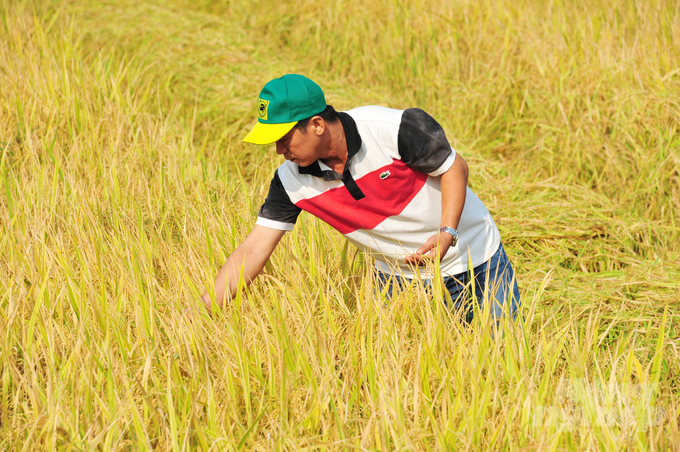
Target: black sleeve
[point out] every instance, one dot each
(422, 142)
(278, 206)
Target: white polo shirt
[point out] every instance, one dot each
(388, 199)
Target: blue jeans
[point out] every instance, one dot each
(493, 280)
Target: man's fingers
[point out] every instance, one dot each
(188, 315)
(429, 245)
(417, 258)
(413, 258)
(424, 249)
(410, 258)
(429, 251)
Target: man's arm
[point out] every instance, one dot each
(453, 187)
(250, 257)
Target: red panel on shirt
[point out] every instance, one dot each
(384, 198)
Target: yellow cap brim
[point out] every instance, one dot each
(268, 133)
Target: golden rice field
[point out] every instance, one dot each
(124, 186)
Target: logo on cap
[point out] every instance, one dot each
(262, 106)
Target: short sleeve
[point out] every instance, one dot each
(422, 143)
(278, 212)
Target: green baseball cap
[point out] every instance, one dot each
(283, 102)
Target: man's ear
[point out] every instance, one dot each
(317, 125)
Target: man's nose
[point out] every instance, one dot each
(280, 149)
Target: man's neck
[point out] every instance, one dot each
(336, 158)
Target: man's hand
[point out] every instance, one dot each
(189, 313)
(436, 246)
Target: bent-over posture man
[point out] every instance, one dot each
(386, 179)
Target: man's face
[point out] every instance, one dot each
(300, 147)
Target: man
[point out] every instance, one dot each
(388, 180)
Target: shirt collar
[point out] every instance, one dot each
(353, 140)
